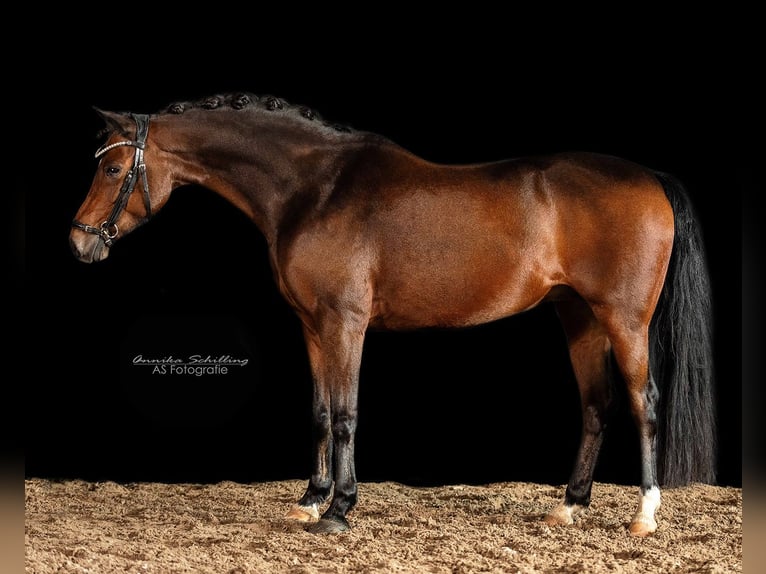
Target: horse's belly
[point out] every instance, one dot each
(455, 297)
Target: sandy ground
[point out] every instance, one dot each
(232, 528)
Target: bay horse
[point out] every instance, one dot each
(362, 234)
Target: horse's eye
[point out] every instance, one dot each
(112, 170)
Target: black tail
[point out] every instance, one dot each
(682, 355)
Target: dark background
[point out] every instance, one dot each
(492, 403)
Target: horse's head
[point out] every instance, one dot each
(129, 185)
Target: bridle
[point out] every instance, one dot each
(108, 229)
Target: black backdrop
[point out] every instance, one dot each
(492, 403)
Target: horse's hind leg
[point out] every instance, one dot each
(589, 350)
(631, 351)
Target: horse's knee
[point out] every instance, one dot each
(322, 425)
(343, 427)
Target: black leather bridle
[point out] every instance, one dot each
(108, 229)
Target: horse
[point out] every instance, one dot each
(363, 234)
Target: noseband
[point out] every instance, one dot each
(108, 229)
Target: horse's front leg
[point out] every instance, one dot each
(335, 350)
(320, 483)
(342, 340)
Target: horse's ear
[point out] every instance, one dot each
(115, 121)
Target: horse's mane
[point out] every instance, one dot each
(245, 100)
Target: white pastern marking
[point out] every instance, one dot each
(643, 522)
(649, 502)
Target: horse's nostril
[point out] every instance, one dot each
(75, 249)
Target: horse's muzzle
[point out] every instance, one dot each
(86, 247)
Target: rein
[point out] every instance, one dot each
(108, 229)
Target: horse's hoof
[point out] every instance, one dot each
(329, 526)
(562, 515)
(556, 520)
(642, 526)
(303, 513)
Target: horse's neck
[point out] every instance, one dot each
(263, 176)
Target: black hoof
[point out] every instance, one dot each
(329, 526)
